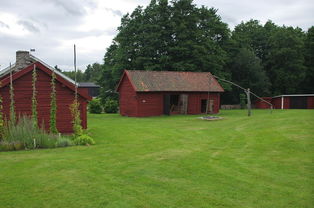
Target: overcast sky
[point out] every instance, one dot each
(53, 26)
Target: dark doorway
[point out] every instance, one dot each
(203, 106)
(298, 102)
(167, 104)
(174, 103)
(174, 99)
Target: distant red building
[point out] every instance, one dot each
(297, 101)
(154, 93)
(22, 83)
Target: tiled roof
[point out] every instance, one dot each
(152, 81)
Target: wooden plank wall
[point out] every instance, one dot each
(23, 101)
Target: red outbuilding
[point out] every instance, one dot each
(154, 93)
(296, 101)
(22, 84)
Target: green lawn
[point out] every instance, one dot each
(179, 161)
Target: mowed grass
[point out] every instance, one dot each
(179, 161)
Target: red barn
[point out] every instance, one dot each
(154, 93)
(22, 84)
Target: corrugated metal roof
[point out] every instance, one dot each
(152, 81)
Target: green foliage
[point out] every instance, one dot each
(94, 106)
(79, 75)
(243, 100)
(111, 106)
(34, 100)
(285, 60)
(176, 36)
(308, 84)
(6, 146)
(93, 72)
(26, 133)
(84, 140)
(53, 106)
(64, 142)
(76, 119)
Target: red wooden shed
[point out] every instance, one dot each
(22, 83)
(154, 93)
(296, 101)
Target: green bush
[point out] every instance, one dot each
(111, 106)
(26, 135)
(18, 145)
(84, 140)
(243, 101)
(94, 106)
(63, 142)
(6, 146)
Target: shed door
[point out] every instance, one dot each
(184, 101)
(167, 104)
(298, 102)
(211, 106)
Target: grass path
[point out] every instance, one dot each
(178, 161)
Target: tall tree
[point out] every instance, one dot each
(93, 72)
(248, 72)
(176, 36)
(308, 84)
(285, 60)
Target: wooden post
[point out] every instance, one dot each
(248, 102)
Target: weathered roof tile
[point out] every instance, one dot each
(145, 81)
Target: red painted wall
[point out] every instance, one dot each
(261, 104)
(277, 103)
(127, 98)
(142, 104)
(150, 104)
(194, 103)
(310, 102)
(23, 101)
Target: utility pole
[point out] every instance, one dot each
(248, 102)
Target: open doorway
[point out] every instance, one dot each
(203, 105)
(175, 104)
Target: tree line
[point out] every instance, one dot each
(180, 36)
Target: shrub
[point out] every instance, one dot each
(28, 135)
(84, 140)
(94, 106)
(63, 142)
(76, 120)
(111, 106)
(243, 101)
(18, 145)
(6, 146)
